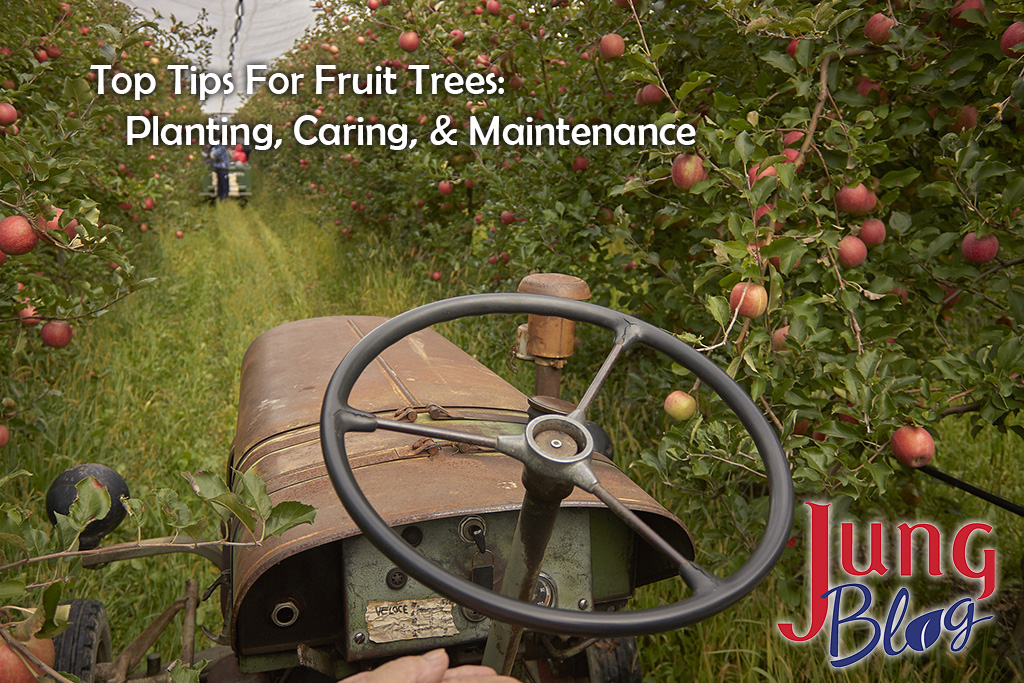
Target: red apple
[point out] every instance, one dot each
(913, 446)
(651, 94)
(580, 164)
(8, 114)
(28, 316)
(872, 232)
(43, 225)
(792, 47)
(865, 85)
(966, 118)
(17, 236)
(409, 41)
(852, 252)
(457, 37)
(435, 276)
(687, 171)
(680, 406)
(753, 175)
(754, 299)
(612, 46)
(877, 28)
(779, 338)
(979, 249)
(493, 7)
(792, 137)
(958, 9)
(56, 333)
(507, 217)
(445, 187)
(857, 200)
(5, 435)
(148, 203)
(1012, 37)
(179, 234)
(792, 155)
(14, 670)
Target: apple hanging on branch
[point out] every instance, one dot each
(913, 446)
(680, 406)
(13, 668)
(748, 298)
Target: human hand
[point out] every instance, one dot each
(431, 667)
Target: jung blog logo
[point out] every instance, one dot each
(923, 630)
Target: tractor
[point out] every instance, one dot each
(453, 510)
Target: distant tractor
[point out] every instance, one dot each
(239, 183)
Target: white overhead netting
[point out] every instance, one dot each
(269, 28)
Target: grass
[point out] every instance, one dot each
(151, 388)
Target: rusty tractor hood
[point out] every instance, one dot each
(285, 373)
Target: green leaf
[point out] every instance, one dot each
(286, 515)
(253, 492)
(880, 473)
(55, 614)
(757, 387)
(11, 590)
(718, 306)
(744, 146)
(233, 504)
(899, 178)
(938, 188)
(781, 62)
(1013, 192)
(179, 515)
(762, 189)
(92, 502)
(941, 243)
(693, 81)
(724, 102)
(206, 485)
(899, 221)
(180, 673)
(987, 169)
(658, 50)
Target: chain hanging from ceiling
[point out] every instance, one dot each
(239, 13)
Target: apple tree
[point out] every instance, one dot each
(858, 166)
(69, 185)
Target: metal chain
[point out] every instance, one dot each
(239, 13)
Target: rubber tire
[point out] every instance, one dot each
(85, 642)
(615, 660)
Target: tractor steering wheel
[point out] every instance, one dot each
(571, 464)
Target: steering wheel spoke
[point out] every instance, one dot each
(442, 433)
(696, 577)
(625, 337)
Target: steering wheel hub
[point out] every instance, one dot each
(557, 440)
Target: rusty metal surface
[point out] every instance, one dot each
(284, 376)
(555, 284)
(547, 336)
(286, 370)
(407, 488)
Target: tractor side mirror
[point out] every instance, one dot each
(63, 492)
